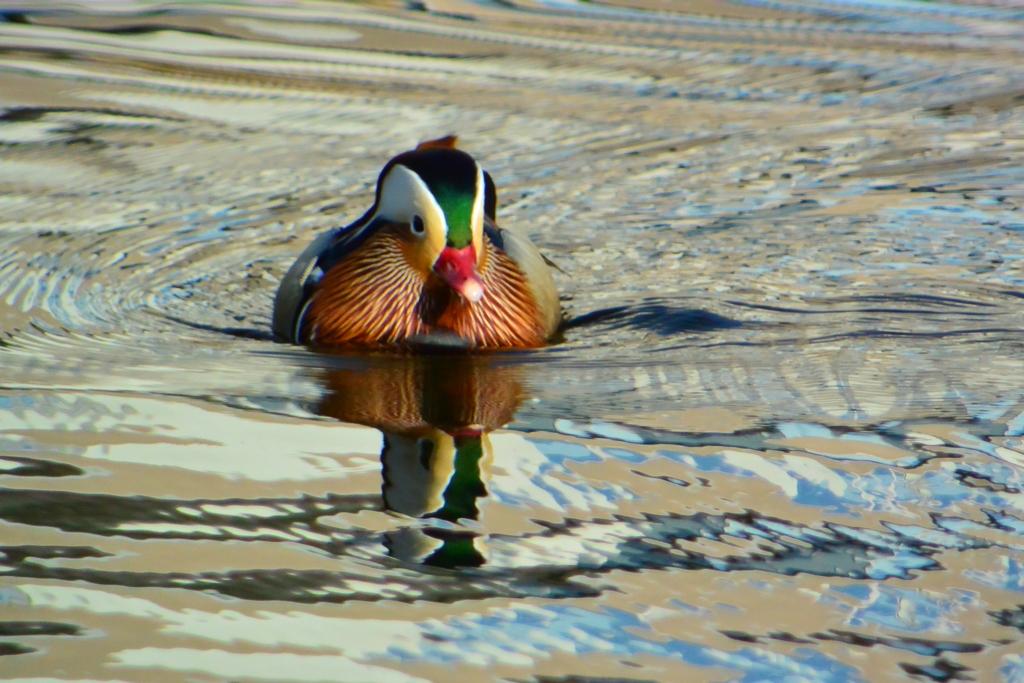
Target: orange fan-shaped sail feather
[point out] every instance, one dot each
(447, 142)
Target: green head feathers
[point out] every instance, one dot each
(458, 213)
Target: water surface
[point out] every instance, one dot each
(783, 438)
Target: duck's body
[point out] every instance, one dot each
(426, 261)
(371, 297)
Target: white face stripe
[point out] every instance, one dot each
(404, 195)
(477, 224)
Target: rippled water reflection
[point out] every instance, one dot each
(783, 438)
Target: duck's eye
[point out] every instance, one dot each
(418, 227)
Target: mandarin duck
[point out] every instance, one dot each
(426, 262)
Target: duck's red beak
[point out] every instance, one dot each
(457, 267)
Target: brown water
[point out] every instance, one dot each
(782, 440)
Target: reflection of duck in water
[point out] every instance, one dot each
(427, 260)
(435, 413)
(437, 476)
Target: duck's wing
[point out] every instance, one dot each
(299, 283)
(538, 276)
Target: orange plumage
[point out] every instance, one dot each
(373, 297)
